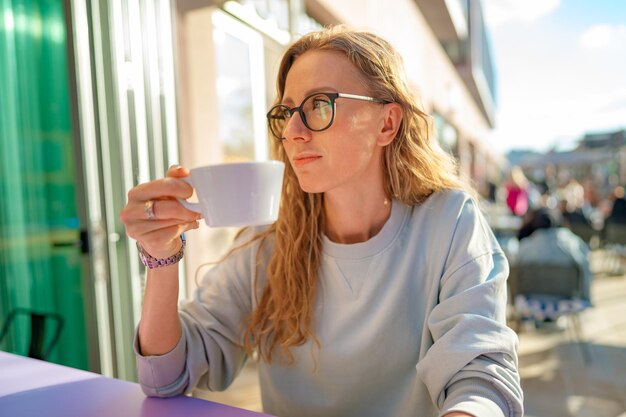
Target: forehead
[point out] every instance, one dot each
(316, 71)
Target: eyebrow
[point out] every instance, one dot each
(307, 93)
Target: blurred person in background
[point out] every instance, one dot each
(617, 214)
(591, 186)
(593, 201)
(517, 187)
(528, 225)
(618, 208)
(379, 291)
(575, 218)
(574, 193)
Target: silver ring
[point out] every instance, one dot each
(149, 210)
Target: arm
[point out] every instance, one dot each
(209, 353)
(159, 329)
(196, 344)
(175, 346)
(471, 366)
(471, 338)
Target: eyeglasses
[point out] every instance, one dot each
(317, 112)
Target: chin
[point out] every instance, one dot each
(311, 190)
(311, 187)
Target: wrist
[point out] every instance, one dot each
(152, 262)
(163, 250)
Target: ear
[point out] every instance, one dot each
(392, 117)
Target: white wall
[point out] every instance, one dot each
(429, 68)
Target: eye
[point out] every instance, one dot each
(321, 103)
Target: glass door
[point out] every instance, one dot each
(42, 250)
(126, 120)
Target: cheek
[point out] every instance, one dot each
(360, 141)
(351, 156)
(364, 126)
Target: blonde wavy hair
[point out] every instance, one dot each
(414, 168)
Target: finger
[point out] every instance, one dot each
(192, 225)
(177, 171)
(163, 188)
(164, 210)
(166, 213)
(139, 229)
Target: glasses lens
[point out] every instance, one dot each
(318, 111)
(277, 118)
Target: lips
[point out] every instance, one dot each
(305, 158)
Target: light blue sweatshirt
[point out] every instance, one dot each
(411, 324)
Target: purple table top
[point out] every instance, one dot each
(29, 387)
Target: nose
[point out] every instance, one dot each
(295, 130)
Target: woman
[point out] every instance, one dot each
(379, 291)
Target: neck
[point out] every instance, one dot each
(355, 218)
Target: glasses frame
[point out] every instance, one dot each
(331, 96)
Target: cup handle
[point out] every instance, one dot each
(187, 204)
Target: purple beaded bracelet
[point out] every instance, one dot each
(151, 262)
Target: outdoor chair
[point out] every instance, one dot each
(614, 245)
(547, 292)
(615, 234)
(39, 322)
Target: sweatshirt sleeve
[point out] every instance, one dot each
(210, 353)
(472, 363)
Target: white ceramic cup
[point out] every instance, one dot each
(238, 193)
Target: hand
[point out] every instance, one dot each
(160, 236)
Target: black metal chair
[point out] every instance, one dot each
(546, 291)
(39, 321)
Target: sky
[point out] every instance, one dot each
(561, 70)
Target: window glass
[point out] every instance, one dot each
(240, 89)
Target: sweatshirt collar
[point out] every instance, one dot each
(361, 250)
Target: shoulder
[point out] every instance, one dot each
(452, 218)
(448, 206)
(448, 198)
(566, 235)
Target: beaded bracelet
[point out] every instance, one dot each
(151, 262)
